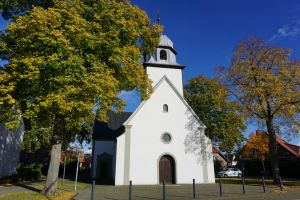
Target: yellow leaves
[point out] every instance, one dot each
(133, 72)
(6, 88)
(263, 78)
(13, 125)
(77, 55)
(150, 38)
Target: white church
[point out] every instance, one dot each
(162, 139)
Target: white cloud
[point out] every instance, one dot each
(289, 30)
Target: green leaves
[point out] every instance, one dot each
(211, 102)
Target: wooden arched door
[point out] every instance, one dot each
(167, 169)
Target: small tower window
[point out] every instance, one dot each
(163, 55)
(165, 108)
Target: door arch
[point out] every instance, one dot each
(167, 169)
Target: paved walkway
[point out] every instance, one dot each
(5, 190)
(184, 192)
(175, 192)
(24, 187)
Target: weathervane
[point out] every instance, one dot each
(158, 17)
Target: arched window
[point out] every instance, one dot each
(163, 55)
(165, 108)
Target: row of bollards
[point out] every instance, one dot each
(194, 188)
(164, 190)
(243, 185)
(220, 187)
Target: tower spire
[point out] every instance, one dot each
(158, 16)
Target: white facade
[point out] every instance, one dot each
(140, 149)
(175, 76)
(10, 147)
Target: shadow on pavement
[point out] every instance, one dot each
(28, 187)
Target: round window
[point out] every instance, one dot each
(166, 138)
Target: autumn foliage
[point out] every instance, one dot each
(256, 147)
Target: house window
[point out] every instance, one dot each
(165, 108)
(163, 55)
(166, 138)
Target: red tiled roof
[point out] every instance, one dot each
(293, 149)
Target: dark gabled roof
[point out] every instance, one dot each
(111, 129)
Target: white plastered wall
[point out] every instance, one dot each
(119, 179)
(174, 75)
(10, 148)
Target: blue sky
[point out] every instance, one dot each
(205, 32)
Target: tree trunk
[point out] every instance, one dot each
(52, 175)
(273, 152)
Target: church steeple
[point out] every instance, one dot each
(162, 62)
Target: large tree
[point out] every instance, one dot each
(266, 82)
(66, 60)
(212, 103)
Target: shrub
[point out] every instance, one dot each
(25, 172)
(29, 172)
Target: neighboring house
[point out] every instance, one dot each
(286, 151)
(220, 158)
(162, 139)
(288, 156)
(10, 147)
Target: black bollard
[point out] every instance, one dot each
(194, 189)
(220, 186)
(281, 186)
(164, 190)
(93, 189)
(263, 184)
(130, 190)
(243, 183)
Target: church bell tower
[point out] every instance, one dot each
(162, 62)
